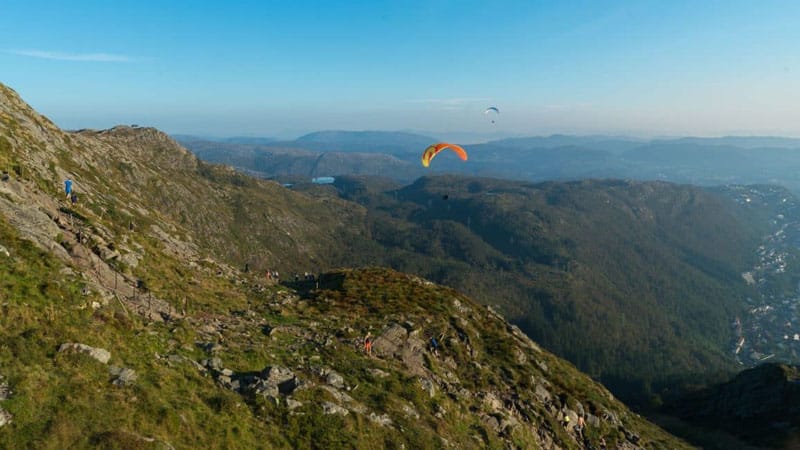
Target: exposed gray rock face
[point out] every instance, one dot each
(412, 354)
(389, 343)
(281, 378)
(99, 354)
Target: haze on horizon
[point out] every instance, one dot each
(286, 68)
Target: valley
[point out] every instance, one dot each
(769, 330)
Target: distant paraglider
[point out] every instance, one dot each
(435, 149)
(491, 112)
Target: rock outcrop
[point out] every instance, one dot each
(100, 354)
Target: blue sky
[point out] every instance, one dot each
(272, 68)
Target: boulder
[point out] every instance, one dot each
(274, 380)
(276, 375)
(412, 354)
(293, 404)
(262, 387)
(428, 386)
(389, 343)
(491, 423)
(122, 376)
(130, 259)
(492, 403)
(409, 411)
(333, 408)
(289, 386)
(5, 390)
(439, 411)
(5, 417)
(212, 364)
(99, 354)
(378, 373)
(542, 394)
(335, 380)
(382, 420)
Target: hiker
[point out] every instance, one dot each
(581, 424)
(368, 343)
(74, 198)
(434, 346)
(68, 186)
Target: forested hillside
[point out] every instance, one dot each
(634, 282)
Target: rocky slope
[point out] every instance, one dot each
(122, 328)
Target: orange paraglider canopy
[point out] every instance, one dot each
(434, 150)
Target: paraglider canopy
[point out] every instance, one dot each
(491, 112)
(435, 149)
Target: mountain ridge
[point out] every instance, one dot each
(205, 354)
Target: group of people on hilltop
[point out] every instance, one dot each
(433, 346)
(272, 275)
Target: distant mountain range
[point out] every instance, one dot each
(701, 161)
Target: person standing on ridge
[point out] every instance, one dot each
(368, 343)
(68, 186)
(434, 346)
